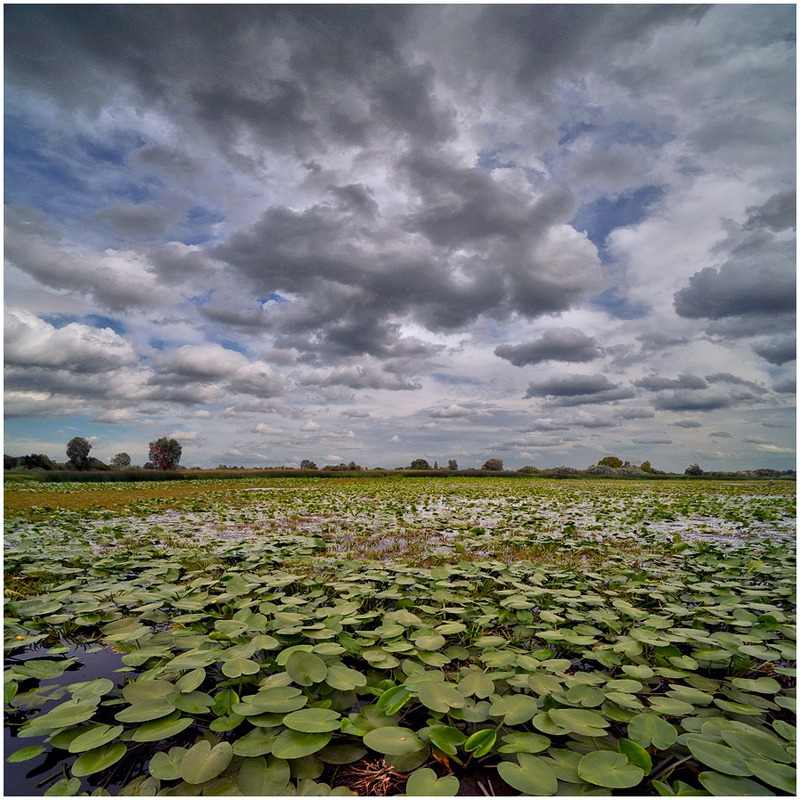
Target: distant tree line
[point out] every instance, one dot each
(165, 454)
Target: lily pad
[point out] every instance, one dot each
(425, 783)
(294, 744)
(393, 740)
(306, 668)
(727, 786)
(530, 775)
(98, 759)
(162, 728)
(202, 761)
(259, 777)
(609, 769)
(313, 720)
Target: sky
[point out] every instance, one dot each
(539, 233)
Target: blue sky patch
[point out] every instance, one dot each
(607, 213)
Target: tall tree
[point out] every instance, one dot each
(121, 460)
(78, 452)
(165, 453)
(493, 465)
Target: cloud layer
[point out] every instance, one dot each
(390, 232)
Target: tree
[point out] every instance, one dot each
(306, 464)
(452, 464)
(610, 461)
(693, 469)
(78, 452)
(121, 460)
(419, 463)
(646, 467)
(165, 453)
(493, 465)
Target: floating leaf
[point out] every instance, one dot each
(524, 743)
(202, 762)
(781, 776)
(167, 766)
(515, 708)
(719, 757)
(26, 753)
(636, 755)
(726, 786)
(425, 783)
(393, 740)
(754, 743)
(95, 737)
(261, 778)
(98, 759)
(531, 775)
(313, 720)
(647, 729)
(306, 668)
(580, 721)
(145, 710)
(609, 769)
(294, 744)
(72, 712)
(257, 742)
(439, 696)
(446, 738)
(162, 728)
(344, 678)
(393, 699)
(760, 685)
(481, 742)
(64, 788)
(235, 667)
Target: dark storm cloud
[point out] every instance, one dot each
(571, 390)
(758, 280)
(778, 214)
(687, 423)
(656, 383)
(727, 377)
(692, 401)
(560, 344)
(777, 350)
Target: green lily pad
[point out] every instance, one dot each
(235, 667)
(257, 742)
(202, 761)
(760, 685)
(191, 702)
(719, 757)
(191, 680)
(167, 766)
(162, 728)
(259, 777)
(70, 713)
(344, 678)
(306, 668)
(277, 699)
(579, 720)
(95, 737)
(446, 738)
(393, 699)
(609, 769)
(393, 740)
(294, 744)
(647, 729)
(98, 759)
(439, 696)
(754, 743)
(515, 708)
(425, 783)
(636, 755)
(313, 720)
(26, 753)
(523, 743)
(142, 690)
(481, 742)
(727, 786)
(530, 775)
(145, 710)
(781, 776)
(64, 788)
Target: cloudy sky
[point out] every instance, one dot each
(375, 233)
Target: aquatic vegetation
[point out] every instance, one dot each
(406, 636)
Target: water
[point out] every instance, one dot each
(26, 779)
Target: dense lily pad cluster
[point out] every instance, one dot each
(546, 639)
